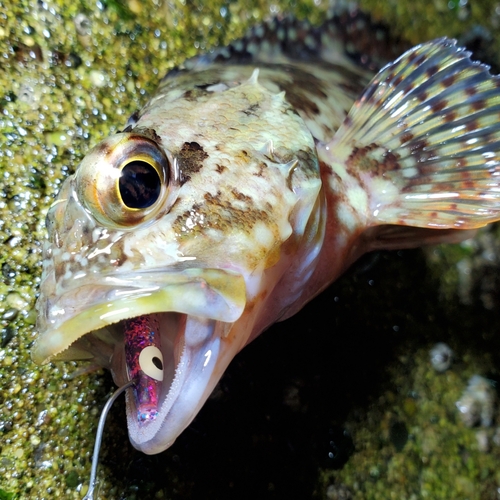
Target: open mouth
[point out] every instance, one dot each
(171, 339)
(177, 375)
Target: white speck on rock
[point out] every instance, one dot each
(441, 357)
(477, 404)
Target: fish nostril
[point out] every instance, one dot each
(139, 184)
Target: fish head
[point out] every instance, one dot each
(200, 224)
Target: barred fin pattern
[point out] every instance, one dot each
(428, 125)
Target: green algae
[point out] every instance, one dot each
(65, 85)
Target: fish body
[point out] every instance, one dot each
(248, 183)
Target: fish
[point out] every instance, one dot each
(254, 177)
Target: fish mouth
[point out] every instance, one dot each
(91, 307)
(190, 347)
(195, 309)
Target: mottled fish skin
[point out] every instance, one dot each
(274, 164)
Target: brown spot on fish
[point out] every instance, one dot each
(103, 149)
(450, 116)
(300, 87)
(361, 159)
(189, 95)
(147, 132)
(431, 71)
(302, 79)
(221, 214)
(218, 212)
(406, 137)
(190, 159)
(472, 125)
(478, 105)
(251, 110)
(412, 57)
(449, 80)
(422, 96)
(220, 168)
(439, 105)
(398, 80)
(418, 148)
(192, 95)
(470, 91)
(348, 121)
(390, 163)
(240, 196)
(419, 60)
(262, 167)
(301, 102)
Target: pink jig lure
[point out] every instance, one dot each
(144, 363)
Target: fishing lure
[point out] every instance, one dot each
(144, 363)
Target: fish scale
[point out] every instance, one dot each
(272, 164)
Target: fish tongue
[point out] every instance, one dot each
(420, 147)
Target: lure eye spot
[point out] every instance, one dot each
(151, 362)
(157, 362)
(139, 184)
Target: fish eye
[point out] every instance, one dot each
(151, 362)
(124, 180)
(139, 184)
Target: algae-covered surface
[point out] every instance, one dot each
(339, 402)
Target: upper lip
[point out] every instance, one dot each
(211, 293)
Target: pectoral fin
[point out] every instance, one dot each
(423, 143)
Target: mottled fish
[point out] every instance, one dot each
(252, 178)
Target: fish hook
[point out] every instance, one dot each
(98, 439)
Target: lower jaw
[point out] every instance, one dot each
(196, 350)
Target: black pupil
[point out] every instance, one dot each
(139, 184)
(157, 362)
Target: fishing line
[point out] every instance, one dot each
(98, 439)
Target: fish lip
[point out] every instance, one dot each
(216, 294)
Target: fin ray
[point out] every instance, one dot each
(423, 141)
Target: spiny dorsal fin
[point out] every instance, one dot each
(423, 141)
(348, 33)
